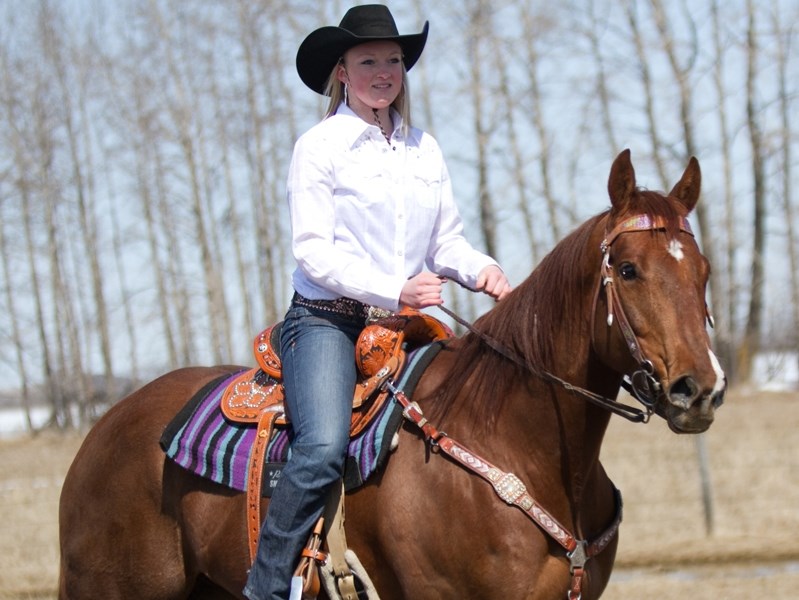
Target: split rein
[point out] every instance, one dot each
(631, 413)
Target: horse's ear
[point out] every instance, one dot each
(687, 188)
(621, 183)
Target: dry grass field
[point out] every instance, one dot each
(753, 552)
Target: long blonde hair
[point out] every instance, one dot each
(402, 103)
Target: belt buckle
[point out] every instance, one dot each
(375, 313)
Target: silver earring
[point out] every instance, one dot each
(346, 94)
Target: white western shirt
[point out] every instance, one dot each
(366, 215)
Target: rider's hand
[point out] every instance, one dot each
(493, 282)
(422, 290)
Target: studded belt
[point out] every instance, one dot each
(344, 307)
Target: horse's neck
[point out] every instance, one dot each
(559, 457)
(559, 423)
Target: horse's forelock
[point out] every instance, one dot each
(656, 204)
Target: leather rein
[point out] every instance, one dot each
(642, 385)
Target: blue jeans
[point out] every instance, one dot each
(319, 374)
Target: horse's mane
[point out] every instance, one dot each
(557, 295)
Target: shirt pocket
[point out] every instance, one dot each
(359, 186)
(426, 186)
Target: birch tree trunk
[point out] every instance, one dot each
(259, 205)
(539, 121)
(752, 331)
(82, 191)
(728, 299)
(479, 30)
(630, 9)
(518, 164)
(22, 189)
(784, 39)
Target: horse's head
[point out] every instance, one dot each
(650, 317)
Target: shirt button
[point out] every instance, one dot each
(399, 252)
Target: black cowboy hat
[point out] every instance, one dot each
(321, 50)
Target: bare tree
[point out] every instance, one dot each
(176, 281)
(188, 131)
(422, 92)
(59, 329)
(534, 26)
(234, 223)
(282, 129)
(518, 161)
(725, 337)
(479, 30)
(20, 190)
(753, 328)
(13, 314)
(118, 250)
(259, 198)
(784, 35)
(82, 173)
(601, 77)
(645, 72)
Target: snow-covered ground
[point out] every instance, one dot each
(776, 371)
(12, 420)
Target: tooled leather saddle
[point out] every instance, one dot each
(256, 395)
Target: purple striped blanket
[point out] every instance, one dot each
(202, 440)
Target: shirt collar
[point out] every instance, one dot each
(353, 126)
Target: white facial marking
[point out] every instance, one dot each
(675, 249)
(720, 378)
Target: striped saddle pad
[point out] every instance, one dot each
(202, 440)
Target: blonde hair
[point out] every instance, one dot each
(402, 103)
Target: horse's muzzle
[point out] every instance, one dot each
(689, 407)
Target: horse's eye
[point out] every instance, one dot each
(627, 271)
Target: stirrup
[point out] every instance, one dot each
(310, 558)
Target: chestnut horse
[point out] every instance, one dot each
(531, 389)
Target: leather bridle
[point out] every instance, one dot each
(641, 383)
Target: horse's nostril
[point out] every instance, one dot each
(718, 399)
(684, 390)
